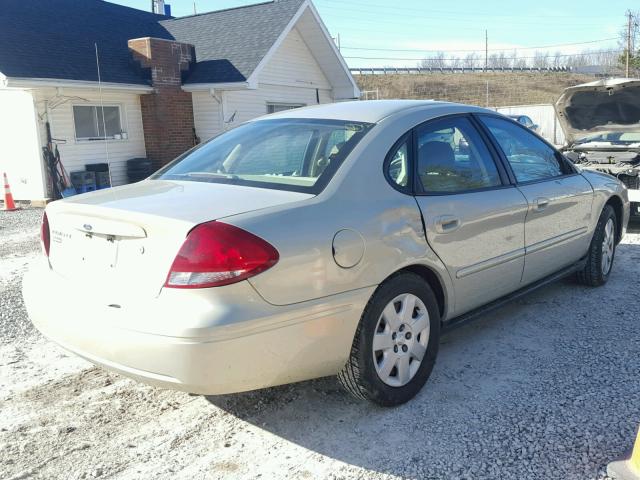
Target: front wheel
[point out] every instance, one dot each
(601, 251)
(396, 342)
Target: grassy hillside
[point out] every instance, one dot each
(503, 88)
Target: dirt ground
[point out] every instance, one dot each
(546, 387)
(495, 89)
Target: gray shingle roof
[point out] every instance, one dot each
(55, 39)
(230, 43)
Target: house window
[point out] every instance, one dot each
(91, 124)
(281, 107)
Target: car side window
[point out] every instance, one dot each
(530, 158)
(398, 164)
(452, 157)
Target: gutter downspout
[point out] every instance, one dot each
(219, 98)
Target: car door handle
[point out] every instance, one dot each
(447, 224)
(540, 203)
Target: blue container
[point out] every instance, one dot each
(102, 180)
(77, 178)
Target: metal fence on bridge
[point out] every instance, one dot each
(425, 70)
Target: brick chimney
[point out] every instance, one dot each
(167, 113)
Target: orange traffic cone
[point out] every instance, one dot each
(627, 469)
(9, 204)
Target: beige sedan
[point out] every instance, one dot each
(337, 239)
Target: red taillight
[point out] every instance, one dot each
(45, 235)
(216, 254)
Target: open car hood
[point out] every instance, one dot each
(602, 106)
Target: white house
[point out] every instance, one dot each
(164, 82)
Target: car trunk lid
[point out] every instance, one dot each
(120, 243)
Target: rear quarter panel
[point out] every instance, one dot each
(360, 199)
(604, 187)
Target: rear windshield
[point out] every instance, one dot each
(287, 154)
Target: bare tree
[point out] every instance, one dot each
(635, 32)
(634, 56)
(503, 61)
(577, 60)
(517, 61)
(470, 60)
(437, 60)
(540, 59)
(455, 61)
(558, 59)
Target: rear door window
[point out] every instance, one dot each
(530, 158)
(452, 157)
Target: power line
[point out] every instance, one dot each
(451, 28)
(457, 14)
(396, 16)
(406, 21)
(477, 49)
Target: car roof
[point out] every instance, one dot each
(370, 111)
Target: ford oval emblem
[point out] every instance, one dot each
(88, 227)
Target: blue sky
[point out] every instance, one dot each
(421, 26)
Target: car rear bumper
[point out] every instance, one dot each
(208, 341)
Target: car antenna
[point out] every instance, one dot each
(104, 123)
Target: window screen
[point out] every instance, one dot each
(281, 107)
(90, 122)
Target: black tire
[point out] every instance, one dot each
(359, 376)
(592, 275)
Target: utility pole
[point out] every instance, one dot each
(486, 50)
(194, 8)
(629, 21)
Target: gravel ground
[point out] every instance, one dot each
(547, 387)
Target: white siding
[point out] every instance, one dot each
(293, 64)
(76, 154)
(206, 115)
(246, 105)
(291, 76)
(20, 154)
